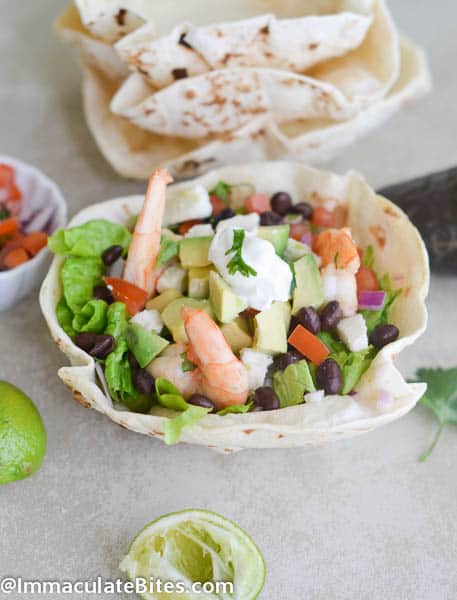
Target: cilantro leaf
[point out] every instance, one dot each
(222, 190)
(237, 263)
(440, 398)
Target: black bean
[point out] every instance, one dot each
(281, 203)
(111, 255)
(203, 401)
(282, 361)
(85, 341)
(305, 209)
(103, 346)
(270, 218)
(101, 292)
(329, 377)
(331, 315)
(383, 335)
(309, 318)
(132, 360)
(226, 213)
(266, 398)
(143, 382)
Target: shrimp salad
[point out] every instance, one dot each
(223, 301)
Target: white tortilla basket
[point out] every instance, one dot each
(399, 251)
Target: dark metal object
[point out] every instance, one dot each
(431, 204)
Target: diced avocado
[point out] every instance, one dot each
(226, 304)
(161, 301)
(295, 250)
(144, 344)
(193, 252)
(199, 282)
(173, 320)
(277, 235)
(238, 334)
(270, 334)
(309, 290)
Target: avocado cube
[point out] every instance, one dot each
(145, 345)
(193, 252)
(271, 327)
(226, 304)
(199, 282)
(173, 319)
(309, 290)
(277, 235)
(237, 334)
(163, 299)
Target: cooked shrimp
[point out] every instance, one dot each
(140, 268)
(336, 247)
(169, 366)
(224, 378)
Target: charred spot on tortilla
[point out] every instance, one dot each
(183, 42)
(313, 46)
(190, 94)
(180, 73)
(265, 30)
(120, 17)
(379, 235)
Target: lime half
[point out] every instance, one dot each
(195, 546)
(22, 435)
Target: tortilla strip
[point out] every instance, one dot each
(401, 253)
(262, 41)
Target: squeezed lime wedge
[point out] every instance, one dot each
(196, 546)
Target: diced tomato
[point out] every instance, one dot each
(308, 344)
(326, 218)
(366, 280)
(128, 293)
(34, 242)
(249, 313)
(14, 258)
(298, 231)
(14, 193)
(184, 227)
(6, 175)
(9, 226)
(257, 203)
(217, 204)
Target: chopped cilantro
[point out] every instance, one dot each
(237, 264)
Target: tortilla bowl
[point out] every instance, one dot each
(399, 251)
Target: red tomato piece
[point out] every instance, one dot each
(257, 203)
(128, 293)
(6, 175)
(184, 227)
(217, 204)
(298, 231)
(366, 280)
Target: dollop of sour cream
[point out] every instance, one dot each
(273, 279)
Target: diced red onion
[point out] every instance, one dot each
(372, 300)
(307, 239)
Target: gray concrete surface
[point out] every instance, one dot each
(360, 519)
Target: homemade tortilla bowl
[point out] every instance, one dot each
(374, 221)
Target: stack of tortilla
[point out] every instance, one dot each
(196, 84)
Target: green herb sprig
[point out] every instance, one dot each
(237, 264)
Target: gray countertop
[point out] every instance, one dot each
(357, 519)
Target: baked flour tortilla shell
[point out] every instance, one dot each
(399, 251)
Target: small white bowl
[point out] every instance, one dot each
(43, 208)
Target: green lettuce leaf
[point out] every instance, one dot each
(145, 345)
(291, 384)
(91, 318)
(168, 250)
(65, 317)
(236, 409)
(174, 427)
(90, 239)
(118, 374)
(222, 190)
(117, 320)
(368, 257)
(79, 276)
(169, 396)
